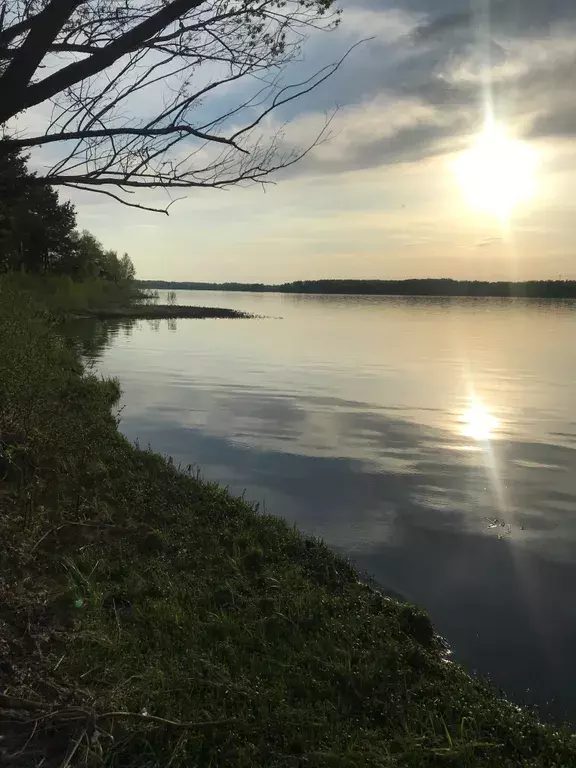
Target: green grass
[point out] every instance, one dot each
(59, 293)
(129, 586)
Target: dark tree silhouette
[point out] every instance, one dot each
(130, 91)
(38, 233)
(35, 227)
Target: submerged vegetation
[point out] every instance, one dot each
(148, 618)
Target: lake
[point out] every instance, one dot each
(432, 441)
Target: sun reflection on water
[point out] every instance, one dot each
(478, 423)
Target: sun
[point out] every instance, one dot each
(498, 173)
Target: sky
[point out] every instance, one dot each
(452, 154)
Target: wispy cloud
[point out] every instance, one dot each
(489, 241)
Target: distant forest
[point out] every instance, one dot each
(535, 289)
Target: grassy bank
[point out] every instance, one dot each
(148, 618)
(61, 294)
(102, 299)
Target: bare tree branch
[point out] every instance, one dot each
(42, 34)
(8, 34)
(110, 132)
(134, 89)
(121, 200)
(103, 58)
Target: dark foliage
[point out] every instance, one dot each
(35, 228)
(38, 232)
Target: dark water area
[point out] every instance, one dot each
(432, 441)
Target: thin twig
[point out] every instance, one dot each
(73, 751)
(115, 197)
(40, 540)
(18, 756)
(117, 620)
(92, 669)
(28, 740)
(89, 524)
(179, 743)
(172, 723)
(13, 702)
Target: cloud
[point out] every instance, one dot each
(509, 17)
(561, 123)
(489, 241)
(432, 58)
(450, 66)
(442, 24)
(520, 57)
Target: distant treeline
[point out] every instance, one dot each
(541, 289)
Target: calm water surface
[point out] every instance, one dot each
(432, 441)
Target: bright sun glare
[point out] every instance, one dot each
(478, 423)
(497, 173)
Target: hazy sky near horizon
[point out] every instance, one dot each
(383, 198)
